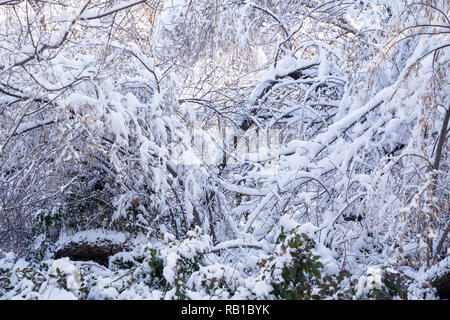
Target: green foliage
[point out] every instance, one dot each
(214, 283)
(393, 286)
(26, 281)
(185, 268)
(332, 285)
(156, 264)
(296, 273)
(300, 274)
(149, 270)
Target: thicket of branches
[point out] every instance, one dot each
(214, 135)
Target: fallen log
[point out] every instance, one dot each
(99, 253)
(91, 245)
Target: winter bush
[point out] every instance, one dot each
(224, 149)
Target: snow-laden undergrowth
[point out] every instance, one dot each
(163, 268)
(224, 149)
